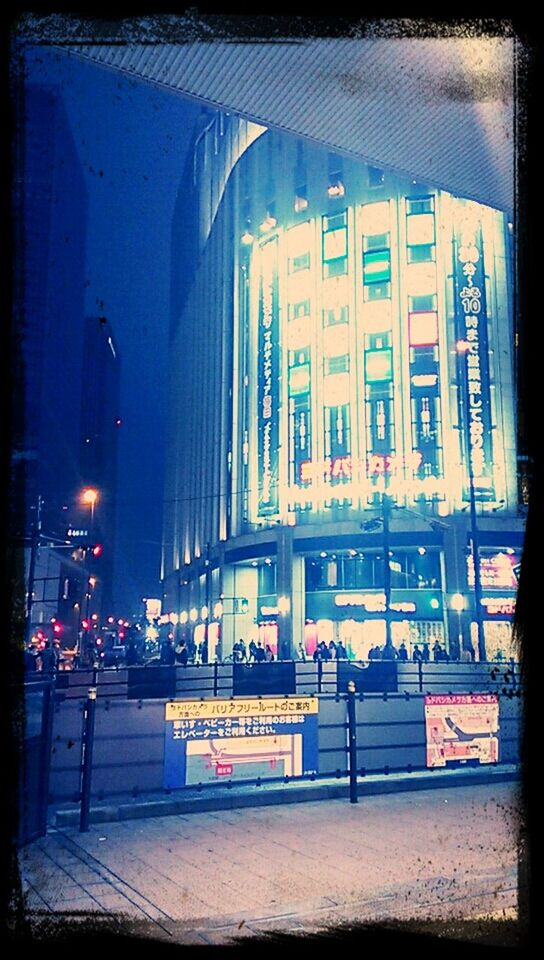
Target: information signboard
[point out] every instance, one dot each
(212, 741)
(461, 727)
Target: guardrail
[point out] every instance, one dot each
(286, 677)
(129, 742)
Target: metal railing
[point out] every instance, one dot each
(156, 681)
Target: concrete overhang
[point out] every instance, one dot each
(440, 110)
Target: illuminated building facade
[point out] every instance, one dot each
(344, 385)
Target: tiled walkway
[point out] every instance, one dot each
(205, 877)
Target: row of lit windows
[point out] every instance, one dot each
(409, 570)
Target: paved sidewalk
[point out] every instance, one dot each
(203, 878)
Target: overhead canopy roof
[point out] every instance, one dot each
(440, 110)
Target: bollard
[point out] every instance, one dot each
(87, 758)
(352, 743)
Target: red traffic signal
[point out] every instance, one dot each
(85, 624)
(57, 628)
(97, 549)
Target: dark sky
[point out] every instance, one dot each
(137, 135)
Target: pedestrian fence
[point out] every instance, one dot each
(126, 740)
(286, 677)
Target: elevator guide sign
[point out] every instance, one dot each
(461, 727)
(214, 741)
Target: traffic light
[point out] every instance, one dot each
(85, 624)
(96, 549)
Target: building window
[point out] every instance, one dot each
(376, 177)
(302, 262)
(301, 198)
(422, 304)
(415, 205)
(422, 253)
(335, 245)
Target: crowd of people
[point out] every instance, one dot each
(47, 658)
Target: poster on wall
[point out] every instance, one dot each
(213, 741)
(461, 727)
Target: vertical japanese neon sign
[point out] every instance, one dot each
(471, 314)
(268, 360)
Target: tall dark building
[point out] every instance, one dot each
(65, 379)
(100, 422)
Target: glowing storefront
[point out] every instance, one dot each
(349, 335)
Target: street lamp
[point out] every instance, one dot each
(89, 497)
(463, 352)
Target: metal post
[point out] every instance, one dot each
(208, 587)
(352, 743)
(36, 533)
(420, 674)
(87, 756)
(386, 507)
(475, 545)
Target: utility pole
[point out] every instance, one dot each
(208, 598)
(474, 532)
(34, 546)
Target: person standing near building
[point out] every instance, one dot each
(49, 658)
(260, 655)
(167, 657)
(131, 655)
(341, 652)
(417, 655)
(30, 662)
(389, 652)
(403, 653)
(182, 654)
(269, 656)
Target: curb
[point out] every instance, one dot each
(291, 794)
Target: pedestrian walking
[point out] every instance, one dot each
(30, 661)
(260, 655)
(252, 650)
(131, 655)
(389, 652)
(182, 654)
(167, 656)
(49, 658)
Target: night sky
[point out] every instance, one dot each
(131, 138)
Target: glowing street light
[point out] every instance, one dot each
(89, 497)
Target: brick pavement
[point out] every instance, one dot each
(206, 877)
